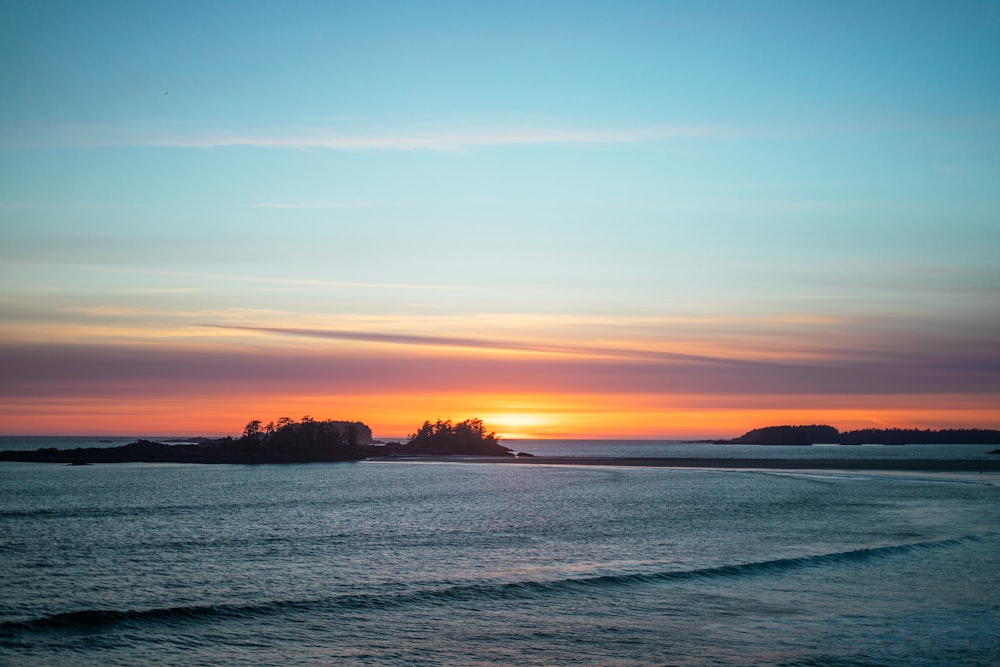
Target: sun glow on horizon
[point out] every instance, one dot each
(513, 425)
(512, 416)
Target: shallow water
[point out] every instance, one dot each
(381, 563)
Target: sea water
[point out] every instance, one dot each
(403, 563)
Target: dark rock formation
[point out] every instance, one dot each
(787, 435)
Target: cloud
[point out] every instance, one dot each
(438, 142)
(94, 137)
(324, 204)
(477, 343)
(916, 366)
(158, 370)
(55, 204)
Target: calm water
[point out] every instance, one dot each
(668, 449)
(628, 448)
(393, 563)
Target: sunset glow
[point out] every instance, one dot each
(653, 220)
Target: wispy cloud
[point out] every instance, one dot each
(324, 204)
(331, 139)
(438, 142)
(483, 344)
(54, 204)
(166, 368)
(203, 278)
(917, 367)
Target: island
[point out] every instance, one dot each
(312, 441)
(287, 441)
(828, 435)
(442, 438)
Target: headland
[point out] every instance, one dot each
(286, 441)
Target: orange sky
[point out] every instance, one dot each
(152, 390)
(511, 415)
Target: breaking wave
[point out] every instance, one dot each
(91, 620)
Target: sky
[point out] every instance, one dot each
(568, 219)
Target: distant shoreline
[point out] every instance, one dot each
(824, 433)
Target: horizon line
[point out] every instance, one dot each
(700, 439)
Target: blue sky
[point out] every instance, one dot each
(807, 186)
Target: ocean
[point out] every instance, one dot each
(437, 563)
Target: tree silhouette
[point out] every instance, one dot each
(251, 432)
(444, 437)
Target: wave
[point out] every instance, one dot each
(91, 620)
(529, 588)
(95, 620)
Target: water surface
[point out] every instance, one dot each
(394, 563)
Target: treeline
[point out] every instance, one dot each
(911, 436)
(304, 440)
(444, 437)
(308, 439)
(286, 441)
(825, 434)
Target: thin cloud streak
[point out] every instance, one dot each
(325, 204)
(482, 344)
(82, 137)
(442, 142)
(275, 282)
(911, 368)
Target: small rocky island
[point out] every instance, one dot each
(287, 441)
(825, 434)
(442, 438)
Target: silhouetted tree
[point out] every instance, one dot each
(308, 440)
(252, 431)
